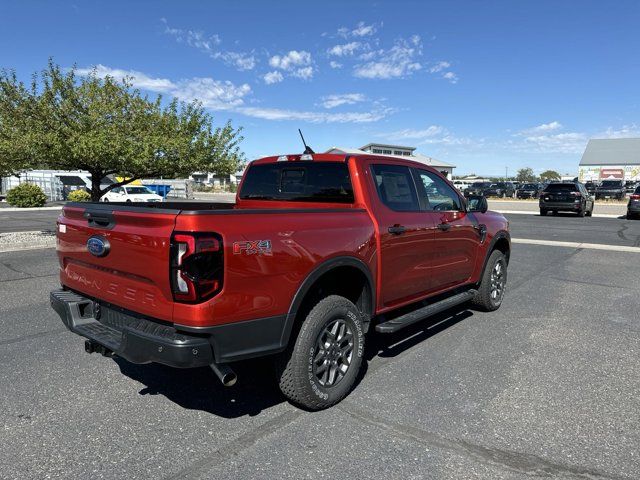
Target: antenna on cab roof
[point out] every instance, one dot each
(307, 149)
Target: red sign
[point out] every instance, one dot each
(612, 173)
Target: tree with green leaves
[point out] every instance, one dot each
(549, 175)
(525, 175)
(105, 126)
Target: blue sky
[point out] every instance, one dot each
(482, 85)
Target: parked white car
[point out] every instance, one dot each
(131, 193)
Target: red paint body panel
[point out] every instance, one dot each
(135, 274)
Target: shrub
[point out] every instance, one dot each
(79, 196)
(26, 195)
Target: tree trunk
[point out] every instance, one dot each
(96, 193)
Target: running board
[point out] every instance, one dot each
(410, 318)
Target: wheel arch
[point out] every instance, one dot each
(353, 279)
(500, 241)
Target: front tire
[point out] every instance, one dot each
(322, 365)
(492, 285)
(543, 212)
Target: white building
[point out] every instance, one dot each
(611, 158)
(399, 151)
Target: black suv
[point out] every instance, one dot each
(611, 189)
(633, 208)
(566, 197)
(476, 188)
(631, 185)
(500, 189)
(591, 187)
(528, 190)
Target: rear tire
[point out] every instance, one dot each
(581, 212)
(590, 212)
(492, 285)
(543, 212)
(320, 368)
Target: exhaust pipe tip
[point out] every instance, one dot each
(226, 375)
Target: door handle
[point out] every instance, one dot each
(397, 229)
(444, 226)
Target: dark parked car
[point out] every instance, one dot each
(591, 187)
(611, 189)
(500, 189)
(633, 209)
(476, 188)
(529, 190)
(566, 197)
(630, 186)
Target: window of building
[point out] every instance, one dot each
(377, 150)
(386, 152)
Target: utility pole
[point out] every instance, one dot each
(506, 173)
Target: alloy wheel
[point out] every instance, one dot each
(333, 353)
(498, 280)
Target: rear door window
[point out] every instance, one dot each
(395, 187)
(298, 182)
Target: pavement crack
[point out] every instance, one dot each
(522, 463)
(14, 269)
(28, 278)
(201, 467)
(31, 336)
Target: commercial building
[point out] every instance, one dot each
(613, 158)
(397, 151)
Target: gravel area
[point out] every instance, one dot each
(14, 241)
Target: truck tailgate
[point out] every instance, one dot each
(127, 261)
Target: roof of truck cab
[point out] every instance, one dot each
(337, 157)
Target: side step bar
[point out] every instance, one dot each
(410, 318)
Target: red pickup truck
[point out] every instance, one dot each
(317, 251)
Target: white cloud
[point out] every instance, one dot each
(272, 77)
(452, 77)
(360, 30)
(438, 67)
(408, 133)
(398, 61)
(313, 117)
(305, 73)
(334, 64)
(290, 60)
(225, 95)
(207, 44)
(344, 49)
(626, 131)
(214, 94)
(544, 138)
(545, 127)
(332, 101)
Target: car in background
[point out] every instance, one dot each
(631, 185)
(131, 193)
(566, 197)
(591, 187)
(500, 189)
(529, 190)
(476, 188)
(611, 189)
(633, 208)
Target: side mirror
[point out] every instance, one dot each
(477, 203)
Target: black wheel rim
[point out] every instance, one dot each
(333, 353)
(498, 281)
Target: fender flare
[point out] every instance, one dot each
(502, 234)
(316, 273)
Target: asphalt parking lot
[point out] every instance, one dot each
(546, 386)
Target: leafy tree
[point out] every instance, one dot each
(525, 175)
(550, 175)
(105, 126)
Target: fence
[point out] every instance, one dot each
(50, 184)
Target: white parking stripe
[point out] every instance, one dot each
(591, 246)
(535, 212)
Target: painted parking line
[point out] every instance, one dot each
(589, 246)
(535, 212)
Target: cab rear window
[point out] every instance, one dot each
(327, 182)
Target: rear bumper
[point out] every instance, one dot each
(561, 206)
(633, 207)
(143, 340)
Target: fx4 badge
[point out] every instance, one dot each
(252, 247)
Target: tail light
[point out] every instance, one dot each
(197, 268)
(635, 196)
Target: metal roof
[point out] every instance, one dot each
(384, 145)
(612, 151)
(416, 157)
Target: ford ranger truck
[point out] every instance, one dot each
(318, 252)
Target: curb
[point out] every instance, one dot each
(29, 209)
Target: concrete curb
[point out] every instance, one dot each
(29, 209)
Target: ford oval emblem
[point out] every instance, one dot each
(98, 246)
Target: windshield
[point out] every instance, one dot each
(138, 190)
(529, 186)
(298, 182)
(479, 184)
(612, 183)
